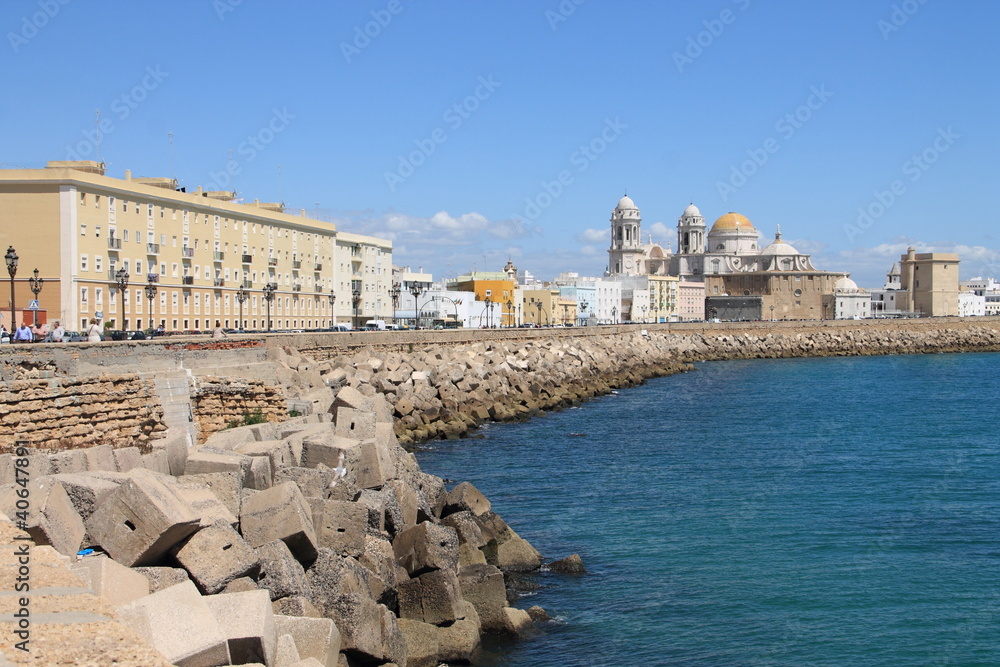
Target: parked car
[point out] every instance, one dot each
(73, 337)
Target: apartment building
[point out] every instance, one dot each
(190, 258)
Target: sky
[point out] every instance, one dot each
(473, 132)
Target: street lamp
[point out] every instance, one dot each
(772, 312)
(121, 277)
(488, 309)
(394, 292)
(241, 297)
(583, 307)
(510, 313)
(150, 290)
(539, 305)
(36, 287)
(333, 300)
(11, 258)
(356, 299)
(614, 313)
(416, 291)
(644, 314)
(269, 297)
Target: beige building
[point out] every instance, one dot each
(931, 283)
(199, 251)
(542, 306)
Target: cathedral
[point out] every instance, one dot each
(750, 281)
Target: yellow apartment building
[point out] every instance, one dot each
(197, 254)
(492, 285)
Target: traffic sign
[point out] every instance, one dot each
(33, 304)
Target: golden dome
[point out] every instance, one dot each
(733, 221)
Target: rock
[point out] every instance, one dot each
(433, 597)
(569, 565)
(421, 639)
(295, 605)
(314, 637)
(247, 623)
(280, 573)
(426, 547)
(217, 555)
(160, 578)
(465, 498)
(517, 622)
(280, 512)
(483, 586)
(538, 615)
(115, 583)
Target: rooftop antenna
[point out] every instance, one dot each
(170, 138)
(280, 197)
(229, 170)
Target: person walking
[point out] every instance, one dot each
(94, 331)
(23, 334)
(57, 333)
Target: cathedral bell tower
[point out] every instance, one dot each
(691, 232)
(625, 254)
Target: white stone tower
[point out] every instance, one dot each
(625, 254)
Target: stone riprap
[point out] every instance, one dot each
(371, 560)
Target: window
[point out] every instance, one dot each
(125, 235)
(97, 263)
(97, 201)
(83, 262)
(98, 295)
(97, 232)
(83, 296)
(83, 230)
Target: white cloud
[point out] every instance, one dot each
(594, 235)
(661, 232)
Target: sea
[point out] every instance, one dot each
(830, 511)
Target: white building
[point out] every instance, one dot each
(607, 308)
(971, 304)
(848, 301)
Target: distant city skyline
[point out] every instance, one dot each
(469, 133)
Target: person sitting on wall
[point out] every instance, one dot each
(218, 333)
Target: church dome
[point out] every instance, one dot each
(626, 203)
(733, 222)
(691, 212)
(845, 283)
(778, 247)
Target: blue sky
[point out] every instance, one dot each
(472, 131)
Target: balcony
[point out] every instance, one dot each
(296, 287)
(219, 256)
(272, 261)
(114, 244)
(188, 280)
(220, 282)
(318, 266)
(187, 253)
(152, 277)
(152, 248)
(296, 264)
(274, 286)
(247, 259)
(247, 284)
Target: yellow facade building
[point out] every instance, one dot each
(196, 253)
(492, 285)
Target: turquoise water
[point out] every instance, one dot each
(840, 511)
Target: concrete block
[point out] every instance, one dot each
(259, 476)
(483, 587)
(286, 652)
(393, 642)
(240, 585)
(280, 573)
(38, 466)
(141, 520)
(247, 622)
(265, 431)
(206, 461)
(354, 424)
(115, 583)
(374, 503)
(313, 483)
(359, 621)
(459, 642)
(226, 486)
(230, 438)
(177, 452)
(314, 637)
(85, 491)
(341, 526)
(162, 577)
(296, 605)
(156, 461)
(101, 457)
(278, 451)
(204, 503)
(280, 513)
(426, 547)
(514, 555)
(433, 597)
(50, 517)
(217, 555)
(178, 622)
(70, 461)
(349, 397)
(421, 638)
(127, 458)
(324, 448)
(517, 622)
(465, 498)
(407, 499)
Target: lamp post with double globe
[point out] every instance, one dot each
(333, 300)
(356, 300)
(416, 290)
(150, 290)
(268, 298)
(121, 277)
(241, 297)
(35, 285)
(11, 258)
(394, 293)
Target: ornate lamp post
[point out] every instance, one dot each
(614, 313)
(333, 300)
(150, 290)
(35, 285)
(241, 297)
(11, 258)
(488, 307)
(772, 312)
(394, 293)
(583, 308)
(644, 314)
(268, 298)
(416, 291)
(121, 277)
(510, 313)
(539, 304)
(356, 300)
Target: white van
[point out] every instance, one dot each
(375, 325)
